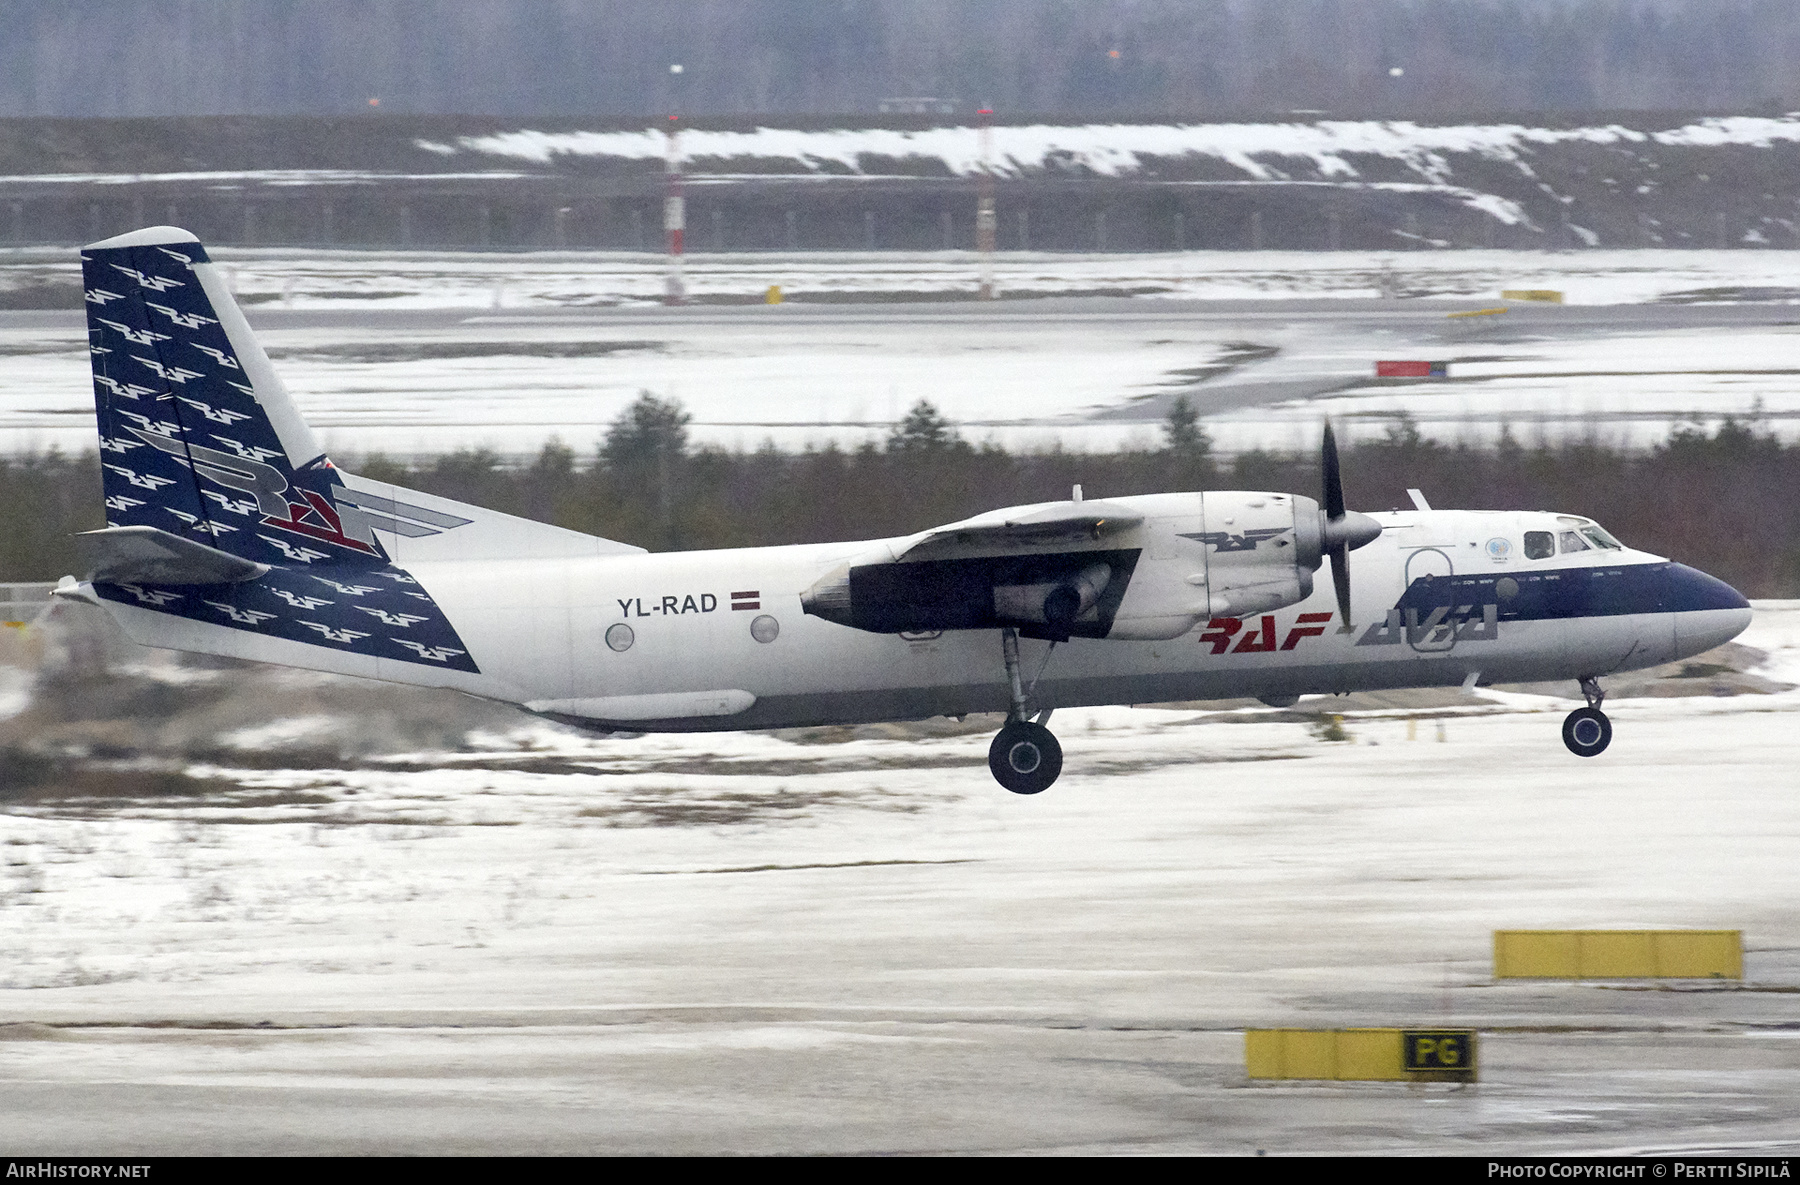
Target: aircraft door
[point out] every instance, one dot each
(1430, 628)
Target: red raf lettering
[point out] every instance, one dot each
(1219, 632)
(1309, 625)
(1260, 639)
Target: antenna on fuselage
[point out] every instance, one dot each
(1418, 499)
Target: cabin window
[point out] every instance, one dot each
(1573, 542)
(1539, 545)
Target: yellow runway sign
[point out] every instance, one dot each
(1361, 1055)
(1618, 954)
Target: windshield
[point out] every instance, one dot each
(1584, 534)
(1599, 538)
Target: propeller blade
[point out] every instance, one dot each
(1342, 531)
(1340, 581)
(1333, 498)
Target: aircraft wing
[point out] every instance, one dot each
(1020, 529)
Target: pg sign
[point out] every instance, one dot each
(1361, 1055)
(1436, 1051)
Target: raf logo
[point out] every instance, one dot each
(1248, 541)
(1221, 631)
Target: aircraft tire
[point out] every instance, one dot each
(1587, 732)
(1025, 757)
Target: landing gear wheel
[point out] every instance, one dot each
(1587, 732)
(1025, 757)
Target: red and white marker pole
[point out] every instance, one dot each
(674, 218)
(987, 221)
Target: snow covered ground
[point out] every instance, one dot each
(509, 351)
(1350, 155)
(1626, 389)
(317, 278)
(854, 942)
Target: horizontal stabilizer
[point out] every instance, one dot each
(146, 555)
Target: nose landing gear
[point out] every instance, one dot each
(1024, 757)
(1587, 731)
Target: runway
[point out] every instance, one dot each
(862, 1086)
(850, 941)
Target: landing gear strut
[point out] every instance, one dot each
(1024, 757)
(1587, 731)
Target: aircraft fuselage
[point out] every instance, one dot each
(545, 627)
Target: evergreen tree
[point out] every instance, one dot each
(1183, 433)
(924, 430)
(650, 433)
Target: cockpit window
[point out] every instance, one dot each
(1539, 545)
(1599, 538)
(1573, 542)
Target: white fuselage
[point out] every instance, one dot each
(538, 629)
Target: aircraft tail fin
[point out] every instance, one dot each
(228, 530)
(199, 438)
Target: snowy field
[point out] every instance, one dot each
(1626, 389)
(317, 278)
(508, 352)
(417, 353)
(852, 941)
(1328, 146)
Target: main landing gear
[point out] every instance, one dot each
(1587, 731)
(1024, 757)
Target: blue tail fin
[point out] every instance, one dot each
(199, 438)
(203, 453)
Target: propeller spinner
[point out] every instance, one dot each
(1342, 531)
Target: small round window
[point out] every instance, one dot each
(620, 637)
(765, 628)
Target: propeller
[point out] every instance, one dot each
(1343, 531)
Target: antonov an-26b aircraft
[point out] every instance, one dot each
(229, 532)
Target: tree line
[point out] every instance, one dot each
(1719, 498)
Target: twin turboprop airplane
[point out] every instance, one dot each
(229, 532)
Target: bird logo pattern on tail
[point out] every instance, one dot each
(191, 450)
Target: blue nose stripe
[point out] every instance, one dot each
(1578, 592)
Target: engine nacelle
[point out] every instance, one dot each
(1166, 563)
(1263, 551)
(1224, 553)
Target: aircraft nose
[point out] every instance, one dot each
(1699, 630)
(1707, 611)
